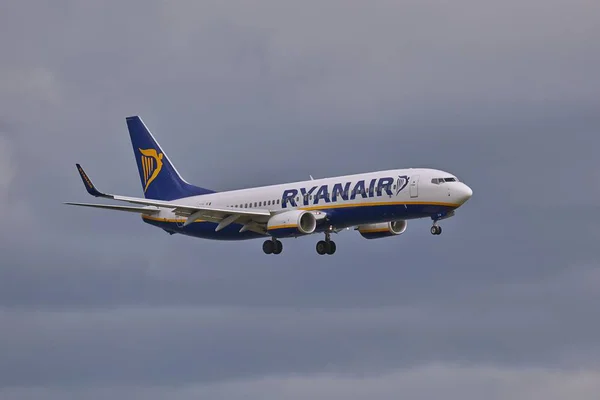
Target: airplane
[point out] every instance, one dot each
(376, 204)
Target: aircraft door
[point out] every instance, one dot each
(414, 186)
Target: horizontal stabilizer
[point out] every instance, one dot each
(142, 210)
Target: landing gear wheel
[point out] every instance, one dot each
(436, 230)
(268, 246)
(322, 247)
(272, 246)
(326, 246)
(331, 247)
(278, 247)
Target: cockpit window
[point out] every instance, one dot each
(437, 181)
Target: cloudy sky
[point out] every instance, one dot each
(502, 305)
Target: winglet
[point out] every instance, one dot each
(89, 186)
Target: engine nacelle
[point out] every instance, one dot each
(292, 223)
(381, 230)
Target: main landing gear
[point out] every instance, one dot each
(272, 246)
(326, 246)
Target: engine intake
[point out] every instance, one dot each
(292, 223)
(381, 230)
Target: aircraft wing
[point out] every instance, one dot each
(142, 210)
(251, 218)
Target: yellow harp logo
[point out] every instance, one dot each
(151, 166)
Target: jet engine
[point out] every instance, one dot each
(292, 223)
(381, 230)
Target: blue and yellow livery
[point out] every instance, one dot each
(377, 204)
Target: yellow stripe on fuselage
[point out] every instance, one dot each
(382, 203)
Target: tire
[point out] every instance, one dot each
(278, 247)
(321, 247)
(268, 246)
(331, 247)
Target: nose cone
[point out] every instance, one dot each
(464, 193)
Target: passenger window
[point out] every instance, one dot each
(277, 201)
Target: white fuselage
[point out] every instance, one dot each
(385, 194)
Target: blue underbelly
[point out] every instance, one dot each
(340, 217)
(351, 216)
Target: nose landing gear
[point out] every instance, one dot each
(436, 230)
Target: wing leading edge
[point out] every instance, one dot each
(139, 210)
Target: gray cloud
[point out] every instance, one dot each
(239, 94)
(205, 344)
(464, 382)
